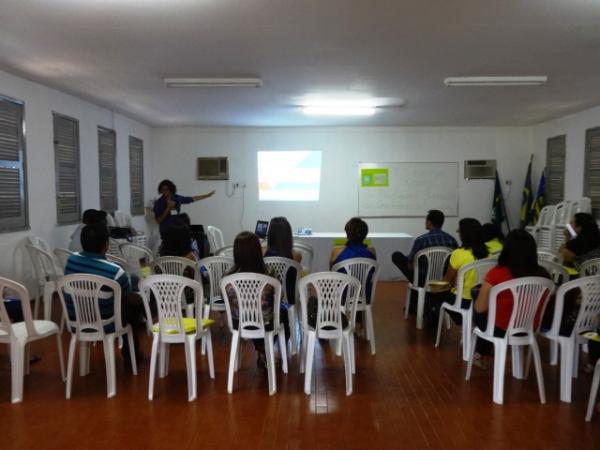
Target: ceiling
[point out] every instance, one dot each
(116, 53)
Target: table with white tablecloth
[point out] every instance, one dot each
(384, 243)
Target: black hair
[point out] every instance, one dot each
(93, 217)
(94, 238)
(471, 237)
(589, 229)
(247, 254)
(435, 217)
(520, 255)
(279, 237)
(492, 231)
(169, 185)
(356, 230)
(176, 239)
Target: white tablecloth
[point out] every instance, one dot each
(384, 243)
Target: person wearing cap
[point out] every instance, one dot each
(90, 217)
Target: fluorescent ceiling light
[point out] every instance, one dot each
(338, 110)
(212, 82)
(496, 81)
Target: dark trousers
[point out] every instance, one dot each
(403, 263)
(132, 312)
(483, 347)
(259, 344)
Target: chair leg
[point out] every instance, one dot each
(303, 348)
(537, 360)
(17, 363)
(283, 351)
(132, 355)
(190, 362)
(70, 364)
(439, 327)
(310, 355)
(209, 354)
(293, 337)
(270, 354)
(347, 363)
(420, 308)
(553, 352)
(517, 361)
(370, 328)
(153, 357)
(566, 369)
(576, 350)
(467, 332)
(162, 363)
(47, 301)
(593, 393)
(84, 358)
(499, 366)
(471, 357)
(235, 342)
(109, 360)
(352, 341)
(61, 358)
(407, 302)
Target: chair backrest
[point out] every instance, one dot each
(9, 288)
(584, 204)
(546, 215)
(588, 288)
(113, 247)
(215, 238)
(121, 262)
(558, 237)
(561, 213)
(62, 256)
(557, 272)
(590, 267)
(435, 258)
(549, 255)
(329, 288)
(544, 237)
(174, 265)
(308, 255)
(38, 242)
(527, 294)
(133, 253)
(366, 271)
(248, 289)
(122, 219)
(84, 292)
(279, 268)
(43, 263)
(225, 251)
(168, 291)
(479, 268)
(216, 267)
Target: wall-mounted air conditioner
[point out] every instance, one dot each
(482, 169)
(213, 168)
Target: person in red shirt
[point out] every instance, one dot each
(518, 259)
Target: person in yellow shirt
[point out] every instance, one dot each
(493, 237)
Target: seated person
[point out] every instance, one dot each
(247, 257)
(518, 259)
(356, 231)
(586, 245)
(92, 260)
(90, 217)
(435, 237)
(493, 237)
(472, 248)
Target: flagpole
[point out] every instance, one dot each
(504, 208)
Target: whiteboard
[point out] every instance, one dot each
(407, 189)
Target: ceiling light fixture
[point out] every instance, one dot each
(496, 81)
(212, 82)
(338, 110)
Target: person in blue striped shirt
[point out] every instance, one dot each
(92, 260)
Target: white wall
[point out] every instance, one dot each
(574, 126)
(40, 102)
(175, 151)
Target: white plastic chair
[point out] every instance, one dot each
(364, 270)
(435, 258)
(18, 335)
(118, 261)
(62, 256)
(557, 271)
(175, 265)
(481, 268)
(590, 267)
(545, 218)
(584, 204)
(215, 238)
(133, 253)
(593, 393)
(122, 219)
(174, 328)
(329, 288)
(279, 268)
(225, 251)
(113, 247)
(84, 292)
(248, 288)
(589, 309)
(548, 255)
(528, 293)
(44, 266)
(308, 255)
(216, 267)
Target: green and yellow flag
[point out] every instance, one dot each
(527, 199)
(540, 199)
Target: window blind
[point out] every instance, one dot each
(555, 169)
(136, 175)
(107, 149)
(66, 157)
(591, 177)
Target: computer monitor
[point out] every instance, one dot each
(261, 228)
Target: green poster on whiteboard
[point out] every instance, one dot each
(374, 177)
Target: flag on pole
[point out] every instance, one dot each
(540, 199)
(527, 199)
(498, 209)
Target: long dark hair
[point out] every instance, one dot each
(356, 231)
(520, 255)
(247, 254)
(177, 239)
(471, 237)
(589, 229)
(279, 238)
(492, 231)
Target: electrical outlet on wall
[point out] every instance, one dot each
(238, 184)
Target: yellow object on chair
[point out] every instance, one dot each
(189, 325)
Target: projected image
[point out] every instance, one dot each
(289, 176)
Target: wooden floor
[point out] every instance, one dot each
(410, 395)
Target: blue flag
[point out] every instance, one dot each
(540, 199)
